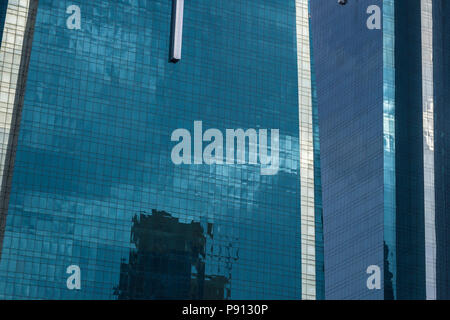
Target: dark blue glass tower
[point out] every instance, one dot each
(441, 56)
(383, 134)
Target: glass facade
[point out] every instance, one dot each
(409, 153)
(3, 7)
(441, 69)
(308, 145)
(428, 146)
(90, 181)
(348, 61)
(383, 125)
(389, 145)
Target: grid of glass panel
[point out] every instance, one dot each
(3, 9)
(318, 208)
(306, 152)
(14, 53)
(93, 182)
(428, 146)
(441, 69)
(348, 60)
(390, 251)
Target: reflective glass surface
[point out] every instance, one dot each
(93, 183)
(348, 60)
(441, 58)
(3, 7)
(382, 102)
(409, 280)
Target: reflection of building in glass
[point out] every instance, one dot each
(169, 261)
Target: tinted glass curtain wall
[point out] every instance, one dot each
(3, 7)
(88, 183)
(381, 99)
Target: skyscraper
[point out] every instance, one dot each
(384, 125)
(93, 204)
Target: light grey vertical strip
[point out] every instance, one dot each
(428, 147)
(177, 30)
(15, 53)
(308, 238)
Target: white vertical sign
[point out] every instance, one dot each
(177, 30)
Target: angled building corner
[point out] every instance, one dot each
(17, 30)
(310, 178)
